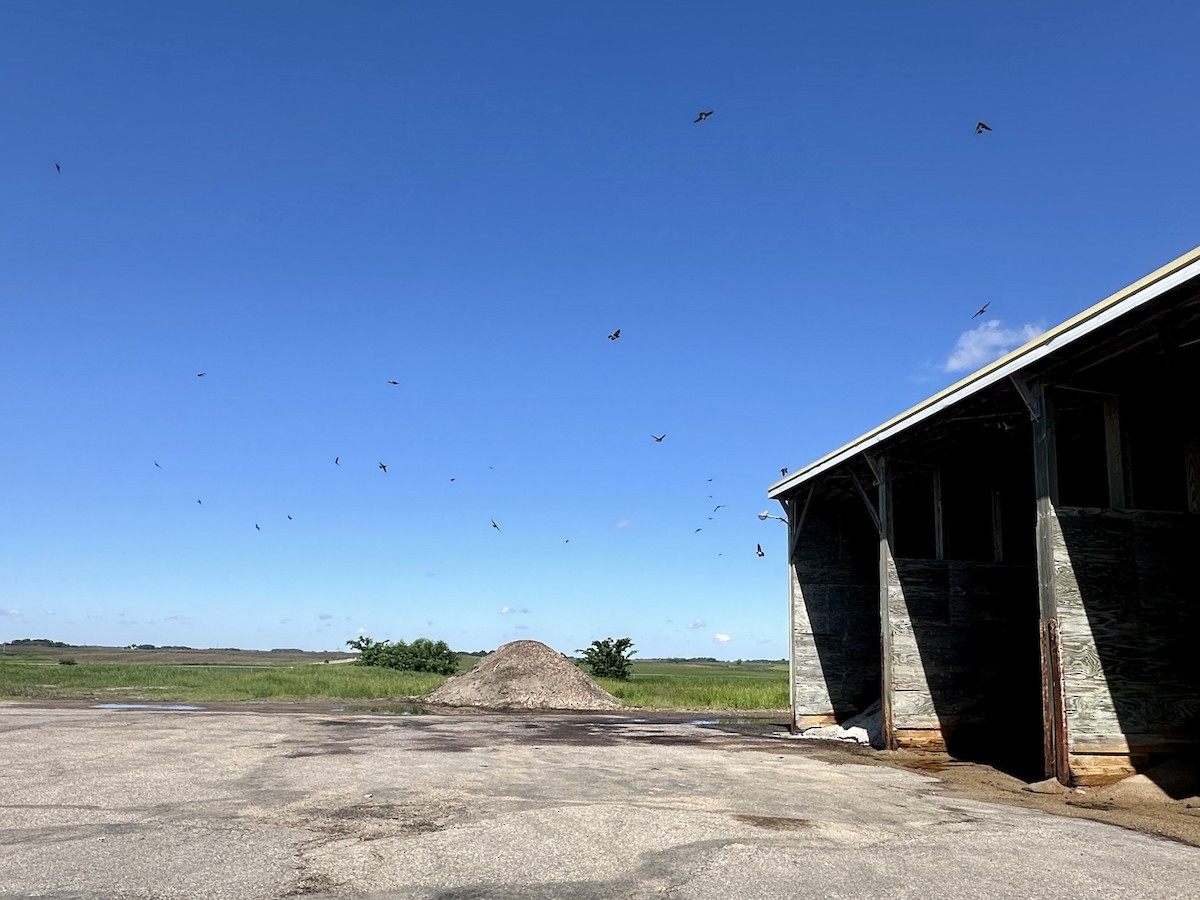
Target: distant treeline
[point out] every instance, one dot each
(713, 659)
(46, 642)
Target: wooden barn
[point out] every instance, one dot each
(1007, 566)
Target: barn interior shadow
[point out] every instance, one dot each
(963, 608)
(1127, 595)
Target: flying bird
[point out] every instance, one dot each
(718, 506)
(199, 503)
(981, 310)
(494, 525)
(981, 127)
(157, 466)
(382, 466)
(702, 116)
(256, 528)
(201, 374)
(616, 334)
(336, 460)
(698, 530)
(783, 471)
(393, 382)
(658, 438)
(451, 479)
(759, 550)
(289, 518)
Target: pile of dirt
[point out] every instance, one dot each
(524, 675)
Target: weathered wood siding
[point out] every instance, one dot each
(964, 652)
(835, 618)
(1129, 615)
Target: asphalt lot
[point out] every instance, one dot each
(271, 803)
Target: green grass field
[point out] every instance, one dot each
(228, 676)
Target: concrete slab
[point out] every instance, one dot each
(242, 803)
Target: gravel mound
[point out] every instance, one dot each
(524, 675)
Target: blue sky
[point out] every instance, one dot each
(306, 200)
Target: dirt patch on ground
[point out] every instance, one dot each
(524, 675)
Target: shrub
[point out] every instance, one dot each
(422, 655)
(66, 661)
(609, 658)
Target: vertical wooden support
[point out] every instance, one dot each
(1191, 463)
(1046, 484)
(997, 526)
(884, 474)
(939, 532)
(793, 590)
(1113, 452)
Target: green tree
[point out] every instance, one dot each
(422, 655)
(609, 658)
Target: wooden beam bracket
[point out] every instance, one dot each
(1026, 393)
(867, 501)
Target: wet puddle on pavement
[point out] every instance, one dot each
(391, 709)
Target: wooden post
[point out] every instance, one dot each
(793, 589)
(939, 533)
(997, 526)
(1116, 461)
(884, 474)
(1054, 748)
(1191, 463)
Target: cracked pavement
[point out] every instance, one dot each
(289, 802)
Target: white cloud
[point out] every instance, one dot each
(624, 523)
(697, 623)
(722, 637)
(986, 342)
(10, 612)
(508, 610)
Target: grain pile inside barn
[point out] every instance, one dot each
(524, 675)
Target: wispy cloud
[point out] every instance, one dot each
(697, 623)
(324, 616)
(624, 523)
(10, 612)
(722, 637)
(521, 627)
(509, 610)
(986, 342)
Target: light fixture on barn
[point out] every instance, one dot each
(764, 515)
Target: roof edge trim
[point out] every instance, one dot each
(1112, 307)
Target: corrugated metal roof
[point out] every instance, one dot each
(1123, 301)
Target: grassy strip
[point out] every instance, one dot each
(676, 686)
(700, 692)
(147, 681)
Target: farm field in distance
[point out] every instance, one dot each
(114, 674)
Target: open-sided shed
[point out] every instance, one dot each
(1008, 566)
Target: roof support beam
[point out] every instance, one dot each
(1113, 447)
(1054, 725)
(886, 538)
(867, 501)
(1026, 393)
